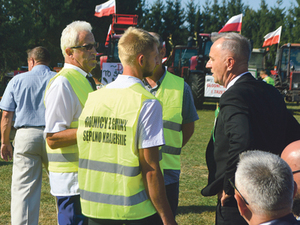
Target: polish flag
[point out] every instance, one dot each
(107, 37)
(233, 24)
(273, 37)
(105, 9)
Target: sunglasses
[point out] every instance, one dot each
(296, 171)
(232, 184)
(88, 46)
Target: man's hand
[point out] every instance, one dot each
(223, 196)
(6, 152)
(154, 184)
(6, 123)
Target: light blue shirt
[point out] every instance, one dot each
(24, 95)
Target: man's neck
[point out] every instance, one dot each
(132, 71)
(75, 63)
(261, 219)
(231, 77)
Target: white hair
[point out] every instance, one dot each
(235, 43)
(265, 181)
(69, 36)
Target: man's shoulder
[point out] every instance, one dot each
(288, 219)
(169, 74)
(36, 71)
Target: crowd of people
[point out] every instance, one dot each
(113, 154)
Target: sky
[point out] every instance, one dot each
(254, 4)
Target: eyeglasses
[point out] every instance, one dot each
(296, 171)
(88, 46)
(232, 184)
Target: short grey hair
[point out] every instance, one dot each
(40, 54)
(266, 181)
(69, 36)
(235, 43)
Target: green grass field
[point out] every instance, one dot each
(194, 209)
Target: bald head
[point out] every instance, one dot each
(291, 154)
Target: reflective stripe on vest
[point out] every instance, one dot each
(109, 167)
(114, 199)
(109, 174)
(170, 93)
(65, 160)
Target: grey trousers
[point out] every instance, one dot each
(28, 159)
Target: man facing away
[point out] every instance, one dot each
(265, 189)
(64, 99)
(24, 99)
(120, 130)
(264, 76)
(291, 154)
(179, 115)
(253, 115)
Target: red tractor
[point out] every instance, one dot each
(189, 62)
(120, 22)
(287, 72)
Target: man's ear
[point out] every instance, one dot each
(295, 189)
(69, 51)
(31, 60)
(230, 63)
(141, 59)
(241, 204)
(162, 52)
(30, 63)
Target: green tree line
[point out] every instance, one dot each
(25, 24)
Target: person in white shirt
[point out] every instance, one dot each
(64, 99)
(120, 178)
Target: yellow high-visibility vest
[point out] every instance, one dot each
(170, 94)
(110, 178)
(65, 160)
(269, 80)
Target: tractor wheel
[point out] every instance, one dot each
(197, 83)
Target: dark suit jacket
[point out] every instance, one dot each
(286, 220)
(253, 116)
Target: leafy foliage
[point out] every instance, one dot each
(25, 24)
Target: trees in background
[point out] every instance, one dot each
(25, 24)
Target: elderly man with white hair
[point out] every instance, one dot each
(65, 97)
(264, 189)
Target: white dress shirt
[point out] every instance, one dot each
(62, 108)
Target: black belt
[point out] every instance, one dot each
(31, 127)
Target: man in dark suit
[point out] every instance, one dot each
(264, 189)
(252, 115)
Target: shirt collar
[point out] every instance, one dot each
(40, 66)
(232, 82)
(70, 66)
(128, 78)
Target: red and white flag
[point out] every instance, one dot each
(107, 37)
(105, 9)
(233, 24)
(273, 37)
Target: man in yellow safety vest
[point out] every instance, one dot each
(65, 97)
(119, 132)
(179, 115)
